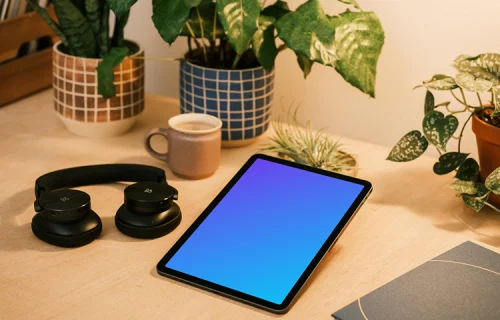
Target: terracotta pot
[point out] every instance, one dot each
(488, 146)
(77, 103)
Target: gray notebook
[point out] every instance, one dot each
(462, 283)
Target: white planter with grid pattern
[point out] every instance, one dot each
(77, 103)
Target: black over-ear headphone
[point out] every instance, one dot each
(64, 216)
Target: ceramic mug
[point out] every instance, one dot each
(194, 145)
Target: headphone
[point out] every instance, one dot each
(65, 218)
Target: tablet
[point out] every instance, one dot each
(264, 234)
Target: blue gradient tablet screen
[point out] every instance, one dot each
(266, 231)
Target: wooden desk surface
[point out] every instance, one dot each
(411, 217)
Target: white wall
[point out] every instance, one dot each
(422, 38)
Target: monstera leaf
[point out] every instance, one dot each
(120, 7)
(410, 147)
(239, 20)
(263, 43)
(169, 17)
(207, 12)
(493, 181)
(351, 42)
(105, 74)
(76, 28)
(437, 129)
(484, 66)
(470, 83)
(449, 162)
(468, 170)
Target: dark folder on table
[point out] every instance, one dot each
(462, 283)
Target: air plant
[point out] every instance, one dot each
(303, 145)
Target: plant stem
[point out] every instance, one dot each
(492, 206)
(52, 24)
(118, 33)
(157, 58)
(205, 56)
(214, 31)
(462, 131)
(356, 5)
(263, 3)
(479, 98)
(104, 33)
(456, 98)
(190, 48)
(196, 42)
(282, 47)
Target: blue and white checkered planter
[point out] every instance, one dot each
(242, 99)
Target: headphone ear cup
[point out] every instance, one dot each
(69, 234)
(148, 226)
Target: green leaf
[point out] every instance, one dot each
(484, 66)
(470, 83)
(276, 10)
(461, 187)
(429, 102)
(410, 147)
(305, 64)
(76, 28)
(169, 17)
(468, 170)
(351, 42)
(437, 129)
(449, 162)
(239, 20)
(105, 75)
(207, 11)
(263, 43)
(493, 181)
(441, 82)
(120, 7)
(80, 5)
(93, 13)
(474, 200)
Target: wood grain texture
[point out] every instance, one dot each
(411, 217)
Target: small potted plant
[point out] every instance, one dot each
(98, 85)
(479, 76)
(228, 70)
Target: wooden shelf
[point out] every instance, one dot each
(28, 74)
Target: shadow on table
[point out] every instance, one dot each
(430, 197)
(15, 236)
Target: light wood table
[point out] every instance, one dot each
(410, 217)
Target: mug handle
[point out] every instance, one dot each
(147, 143)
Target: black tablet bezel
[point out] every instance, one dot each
(240, 296)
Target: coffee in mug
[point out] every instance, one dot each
(194, 145)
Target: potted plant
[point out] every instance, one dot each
(479, 76)
(98, 79)
(228, 70)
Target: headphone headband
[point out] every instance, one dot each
(97, 174)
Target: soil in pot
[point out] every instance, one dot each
(487, 130)
(222, 57)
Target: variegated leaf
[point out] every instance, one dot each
(351, 2)
(437, 129)
(239, 20)
(441, 82)
(468, 170)
(429, 102)
(449, 162)
(470, 83)
(474, 201)
(484, 66)
(409, 148)
(493, 181)
(263, 43)
(305, 64)
(461, 187)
